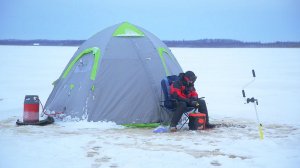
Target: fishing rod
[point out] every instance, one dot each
(255, 103)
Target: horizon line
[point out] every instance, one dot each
(161, 40)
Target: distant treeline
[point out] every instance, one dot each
(227, 43)
(43, 42)
(203, 43)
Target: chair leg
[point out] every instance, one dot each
(185, 120)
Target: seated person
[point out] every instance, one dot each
(184, 92)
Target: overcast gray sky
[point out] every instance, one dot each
(247, 20)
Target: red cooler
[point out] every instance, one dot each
(31, 109)
(197, 121)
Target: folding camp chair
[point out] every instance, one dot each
(168, 104)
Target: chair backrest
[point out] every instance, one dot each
(165, 86)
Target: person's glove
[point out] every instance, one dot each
(194, 104)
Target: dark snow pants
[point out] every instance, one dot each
(182, 107)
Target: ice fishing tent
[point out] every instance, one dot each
(115, 76)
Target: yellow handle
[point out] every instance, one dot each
(261, 133)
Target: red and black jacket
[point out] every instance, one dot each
(181, 92)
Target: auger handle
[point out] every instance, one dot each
(253, 73)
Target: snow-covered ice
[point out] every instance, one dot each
(222, 73)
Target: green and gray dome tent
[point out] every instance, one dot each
(115, 76)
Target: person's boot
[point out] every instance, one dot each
(210, 126)
(173, 129)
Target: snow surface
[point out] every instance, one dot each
(222, 73)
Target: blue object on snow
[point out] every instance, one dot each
(160, 129)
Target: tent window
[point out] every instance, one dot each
(128, 30)
(96, 52)
(162, 50)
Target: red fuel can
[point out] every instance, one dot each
(31, 109)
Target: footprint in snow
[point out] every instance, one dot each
(96, 165)
(215, 163)
(96, 148)
(113, 165)
(92, 154)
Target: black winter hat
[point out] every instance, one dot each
(190, 75)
